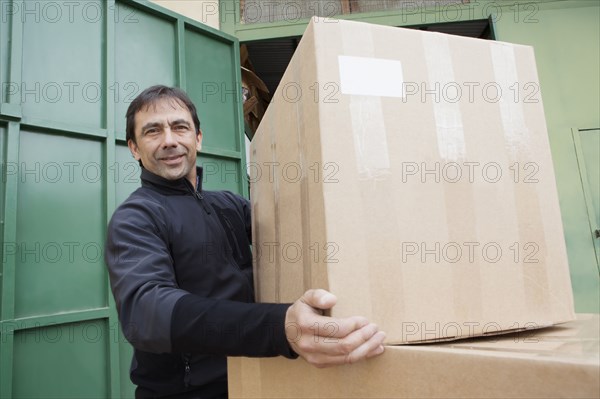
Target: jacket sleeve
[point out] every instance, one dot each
(141, 274)
(157, 316)
(213, 326)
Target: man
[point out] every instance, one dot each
(181, 271)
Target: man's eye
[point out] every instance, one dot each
(181, 127)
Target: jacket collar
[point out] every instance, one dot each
(166, 186)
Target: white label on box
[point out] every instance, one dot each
(367, 76)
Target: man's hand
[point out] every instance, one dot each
(325, 341)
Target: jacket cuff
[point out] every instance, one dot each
(284, 345)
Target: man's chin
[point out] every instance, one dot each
(173, 174)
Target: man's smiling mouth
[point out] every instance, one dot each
(172, 158)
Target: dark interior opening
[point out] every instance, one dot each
(271, 57)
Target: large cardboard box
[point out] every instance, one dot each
(410, 174)
(556, 362)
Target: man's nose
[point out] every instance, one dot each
(169, 138)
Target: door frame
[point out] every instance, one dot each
(585, 185)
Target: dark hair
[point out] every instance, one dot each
(151, 96)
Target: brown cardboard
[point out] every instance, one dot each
(554, 362)
(410, 174)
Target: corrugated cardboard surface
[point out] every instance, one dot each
(410, 174)
(555, 362)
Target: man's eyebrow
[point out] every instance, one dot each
(151, 125)
(179, 122)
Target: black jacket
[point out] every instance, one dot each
(180, 270)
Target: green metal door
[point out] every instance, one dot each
(586, 277)
(588, 157)
(587, 149)
(68, 72)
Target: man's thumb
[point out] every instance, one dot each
(319, 299)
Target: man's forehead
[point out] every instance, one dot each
(165, 104)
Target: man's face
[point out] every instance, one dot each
(166, 140)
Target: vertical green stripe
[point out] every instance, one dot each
(10, 208)
(114, 371)
(8, 270)
(240, 136)
(16, 52)
(180, 49)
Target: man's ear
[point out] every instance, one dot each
(199, 140)
(134, 149)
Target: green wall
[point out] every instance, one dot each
(565, 36)
(567, 49)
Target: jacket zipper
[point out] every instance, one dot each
(200, 198)
(187, 375)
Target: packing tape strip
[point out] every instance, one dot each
(371, 157)
(526, 196)
(277, 210)
(451, 146)
(305, 210)
(366, 79)
(516, 132)
(448, 120)
(368, 133)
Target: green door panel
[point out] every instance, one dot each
(579, 229)
(145, 55)
(221, 174)
(587, 149)
(4, 51)
(211, 82)
(60, 226)
(66, 167)
(125, 173)
(62, 78)
(3, 167)
(62, 361)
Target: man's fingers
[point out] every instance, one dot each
(372, 347)
(369, 349)
(348, 325)
(332, 329)
(356, 339)
(376, 352)
(325, 341)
